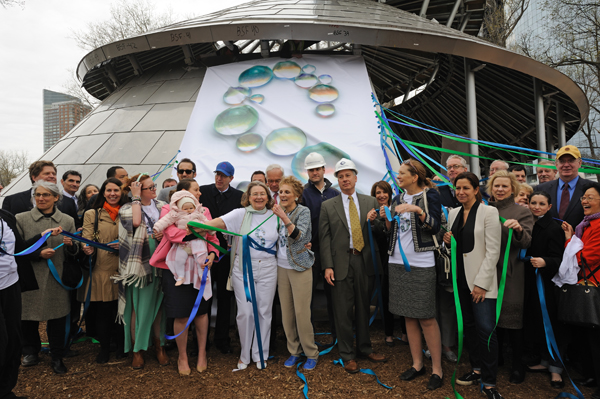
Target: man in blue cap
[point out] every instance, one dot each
(220, 198)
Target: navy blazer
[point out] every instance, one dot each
(447, 198)
(574, 214)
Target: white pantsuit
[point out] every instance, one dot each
(265, 283)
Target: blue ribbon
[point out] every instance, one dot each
(303, 378)
(365, 371)
(57, 277)
(550, 339)
(90, 242)
(377, 279)
(388, 214)
(196, 305)
(88, 298)
(31, 249)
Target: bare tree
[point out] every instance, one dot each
(11, 164)
(73, 88)
(128, 18)
(500, 19)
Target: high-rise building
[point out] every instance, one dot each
(61, 113)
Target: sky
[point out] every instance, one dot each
(37, 51)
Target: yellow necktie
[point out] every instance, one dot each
(357, 238)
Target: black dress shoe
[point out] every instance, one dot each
(30, 360)
(517, 377)
(58, 366)
(390, 343)
(120, 354)
(411, 374)
(434, 382)
(586, 382)
(557, 384)
(103, 357)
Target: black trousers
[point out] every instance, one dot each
(56, 337)
(105, 314)
(318, 275)
(10, 338)
(219, 274)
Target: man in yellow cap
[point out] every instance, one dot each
(568, 188)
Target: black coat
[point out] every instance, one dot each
(27, 278)
(447, 198)
(21, 202)
(210, 198)
(547, 242)
(574, 214)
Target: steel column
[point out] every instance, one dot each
(472, 115)
(540, 125)
(560, 125)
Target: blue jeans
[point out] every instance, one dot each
(479, 321)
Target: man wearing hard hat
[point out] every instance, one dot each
(348, 263)
(317, 190)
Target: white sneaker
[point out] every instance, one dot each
(241, 366)
(258, 365)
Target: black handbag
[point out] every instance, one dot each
(72, 273)
(443, 263)
(579, 304)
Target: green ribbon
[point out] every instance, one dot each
(459, 318)
(211, 228)
(502, 284)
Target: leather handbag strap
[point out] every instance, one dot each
(435, 241)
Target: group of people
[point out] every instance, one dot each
(163, 255)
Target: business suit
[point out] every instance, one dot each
(447, 198)
(478, 251)
(354, 274)
(22, 202)
(219, 204)
(574, 214)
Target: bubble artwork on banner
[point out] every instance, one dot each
(265, 111)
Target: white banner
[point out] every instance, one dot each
(265, 111)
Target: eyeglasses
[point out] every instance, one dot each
(584, 198)
(455, 167)
(43, 195)
(571, 161)
(153, 187)
(185, 171)
(407, 162)
(258, 194)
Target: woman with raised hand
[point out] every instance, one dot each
(50, 302)
(179, 299)
(101, 224)
(256, 218)
(141, 305)
(503, 186)
(476, 228)
(294, 277)
(417, 216)
(544, 257)
(382, 191)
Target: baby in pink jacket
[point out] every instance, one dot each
(184, 260)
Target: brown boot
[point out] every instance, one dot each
(138, 361)
(161, 354)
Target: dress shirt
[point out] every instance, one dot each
(561, 184)
(346, 203)
(73, 197)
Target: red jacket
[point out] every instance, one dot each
(591, 249)
(174, 235)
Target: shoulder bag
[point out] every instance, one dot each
(579, 304)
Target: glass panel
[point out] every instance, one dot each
(108, 102)
(123, 120)
(174, 116)
(81, 149)
(172, 73)
(175, 91)
(166, 147)
(126, 148)
(57, 149)
(85, 170)
(90, 124)
(136, 96)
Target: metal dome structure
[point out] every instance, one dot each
(149, 83)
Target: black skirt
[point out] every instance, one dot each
(179, 300)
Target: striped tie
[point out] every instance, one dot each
(357, 238)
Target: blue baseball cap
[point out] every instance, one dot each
(226, 168)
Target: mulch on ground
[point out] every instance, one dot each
(86, 379)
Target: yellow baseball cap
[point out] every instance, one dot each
(569, 149)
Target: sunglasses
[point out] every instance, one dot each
(185, 171)
(407, 162)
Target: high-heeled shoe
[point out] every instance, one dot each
(185, 372)
(201, 369)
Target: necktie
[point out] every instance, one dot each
(564, 201)
(275, 198)
(357, 238)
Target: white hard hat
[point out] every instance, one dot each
(344, 164)
(314, 160)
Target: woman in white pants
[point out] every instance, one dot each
(257, 219)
